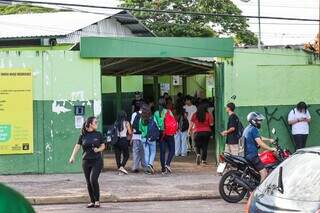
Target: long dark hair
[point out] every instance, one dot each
(86, 125)
(145, 113)
(179, 110)
(201, 112)
(162, 105)
(121, 117)
(302, 106)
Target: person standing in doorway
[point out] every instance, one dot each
(181, 143)
(137, 145)
(201, 123)
(137, 102)
(121, 148)
(149, 135)
(299, 118)
(232, 142)
(190, 110)
(166, 138)
(93, 144)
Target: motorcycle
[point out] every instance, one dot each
(243, 177)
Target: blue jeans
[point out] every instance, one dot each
(149, 151)
(181, 143)
(169, 142)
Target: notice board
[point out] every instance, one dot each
(16, 111)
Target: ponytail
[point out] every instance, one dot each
(86, 125)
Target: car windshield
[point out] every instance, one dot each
(300, 176)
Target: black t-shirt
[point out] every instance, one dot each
(89, 141)
(137, 104)
(232, 138)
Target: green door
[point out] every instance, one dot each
(219, 106)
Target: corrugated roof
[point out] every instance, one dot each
(48, 24)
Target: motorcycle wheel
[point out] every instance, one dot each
(229, 190)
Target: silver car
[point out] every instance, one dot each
(294, 186)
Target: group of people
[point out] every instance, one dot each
(298, 118)
(170, 125)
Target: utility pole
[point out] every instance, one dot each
(319, 31)
(259, 23)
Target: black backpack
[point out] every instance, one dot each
(183, 123)
(136, 122)
(113, 135)
(153, 131)
(239, 128)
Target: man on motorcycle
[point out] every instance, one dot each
(253, 141)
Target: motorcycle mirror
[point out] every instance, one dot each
(274, 131)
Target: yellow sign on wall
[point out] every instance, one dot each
(16, 111)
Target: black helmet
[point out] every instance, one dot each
(255, 119)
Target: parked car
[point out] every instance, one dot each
(294, 186)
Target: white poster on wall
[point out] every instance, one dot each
(78, 121)
(164, 87)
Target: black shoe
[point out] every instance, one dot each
(135, 171)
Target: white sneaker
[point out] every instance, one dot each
(123, 170)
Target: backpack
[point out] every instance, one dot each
(170, 124)
(239, 129)
(113, 135)
(153, 131)
(183, 123)
(135, 124)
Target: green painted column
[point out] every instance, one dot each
(184, 85)
(156, 89)
(118, 98)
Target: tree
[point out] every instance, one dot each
(23, 8)
(164, 24)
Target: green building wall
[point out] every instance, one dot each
(61, 80)
(272, 82)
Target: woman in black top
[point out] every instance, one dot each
(92, 143)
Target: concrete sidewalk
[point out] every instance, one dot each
(201, 183)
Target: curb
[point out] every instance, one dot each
(108, 198)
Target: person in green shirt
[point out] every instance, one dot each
(165, 140)
(13, 202)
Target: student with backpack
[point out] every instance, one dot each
(181, 137)
(168, 128)
(137, 145)
(149, 135)
(201, 123)
(121, 147)
(234, 131)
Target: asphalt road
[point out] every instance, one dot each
(194, 206)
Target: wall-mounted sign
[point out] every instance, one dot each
(16, 111)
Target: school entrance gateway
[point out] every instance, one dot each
(144, 63)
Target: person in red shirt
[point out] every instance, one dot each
(200, 124)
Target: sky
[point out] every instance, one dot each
(274, 32)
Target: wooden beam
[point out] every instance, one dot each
(116, 62)
(191, 64)
(140, 66)
(167, 70)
